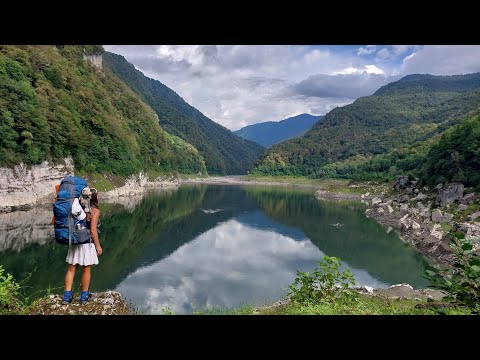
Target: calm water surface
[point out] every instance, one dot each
(218, 246)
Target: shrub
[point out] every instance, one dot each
(9, 294)
(325, 284)
(462, 280)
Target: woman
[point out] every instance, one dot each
(84, 255)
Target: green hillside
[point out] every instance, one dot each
(223, 151)
(54, 104)
(378, 135)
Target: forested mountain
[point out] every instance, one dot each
(58, 101)
(272, 132)
(379, 135)
(455, 157)
(223, 151)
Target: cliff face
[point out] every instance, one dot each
(23, 186)
(95, 59)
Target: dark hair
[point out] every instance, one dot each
(94, 200)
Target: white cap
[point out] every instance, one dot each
(77, 210)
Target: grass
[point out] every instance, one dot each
(102, 182)
(365, 305)
(446, 227)
(333, 185)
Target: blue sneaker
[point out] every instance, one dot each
(67, 296)
(86, 296)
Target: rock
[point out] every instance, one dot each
(436, 232)
(415, 191)
(403, 284)
(415, 226)
(439, 186)
(419, 197)
(376, 200)
(108, 303)
(390, 209)
(452, 192)
(404, 198)
(389, 229)
(425, 214)
(426, 188)
(369, 289)
(404, 207)
(468, 199)
(367, 194)
(446, 218)
(437, 215)
(380, 210)
(401, 183)
(462, 207)
(474, 215)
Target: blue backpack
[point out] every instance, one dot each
(69, 230)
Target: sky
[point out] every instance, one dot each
(240, 85)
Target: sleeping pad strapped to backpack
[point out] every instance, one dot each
(69, 230)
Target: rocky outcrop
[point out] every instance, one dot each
(137, 185)
(450, 193)
(96, 60)
(22, 187)
(106, 303)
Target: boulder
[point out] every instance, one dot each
(446, 218)
(401, 183)
(474, 215)
(468, 199)
(437, 215)
(450, 193)
(404, 198)
(462, 207)
(420, 196)
(376, 200)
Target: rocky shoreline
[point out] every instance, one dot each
(422, 217)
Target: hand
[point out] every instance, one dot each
(99, 250)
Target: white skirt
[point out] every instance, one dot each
(83, 254)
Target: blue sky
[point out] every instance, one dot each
(239, 85)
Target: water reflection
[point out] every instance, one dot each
(227, 266)
(217, 245)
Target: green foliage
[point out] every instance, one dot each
(325, 284)
(223, 151)
(456, 156)
(53, 104)
(462, 281)
(9, 293)
(382, 135)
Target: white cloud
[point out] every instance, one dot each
(230, 265)
(369, 49)
(443, 60)
(383, 54)
(369, 69)
(238, 85)
(348, 85)
(401, 49)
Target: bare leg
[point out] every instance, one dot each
(69, 277)
(86, 274)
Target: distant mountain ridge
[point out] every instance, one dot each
(272, 132)
(224, 152)
(413, 110)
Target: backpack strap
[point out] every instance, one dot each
(70, 219)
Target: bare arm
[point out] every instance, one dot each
(93, 230)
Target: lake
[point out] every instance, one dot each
(212, 246)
